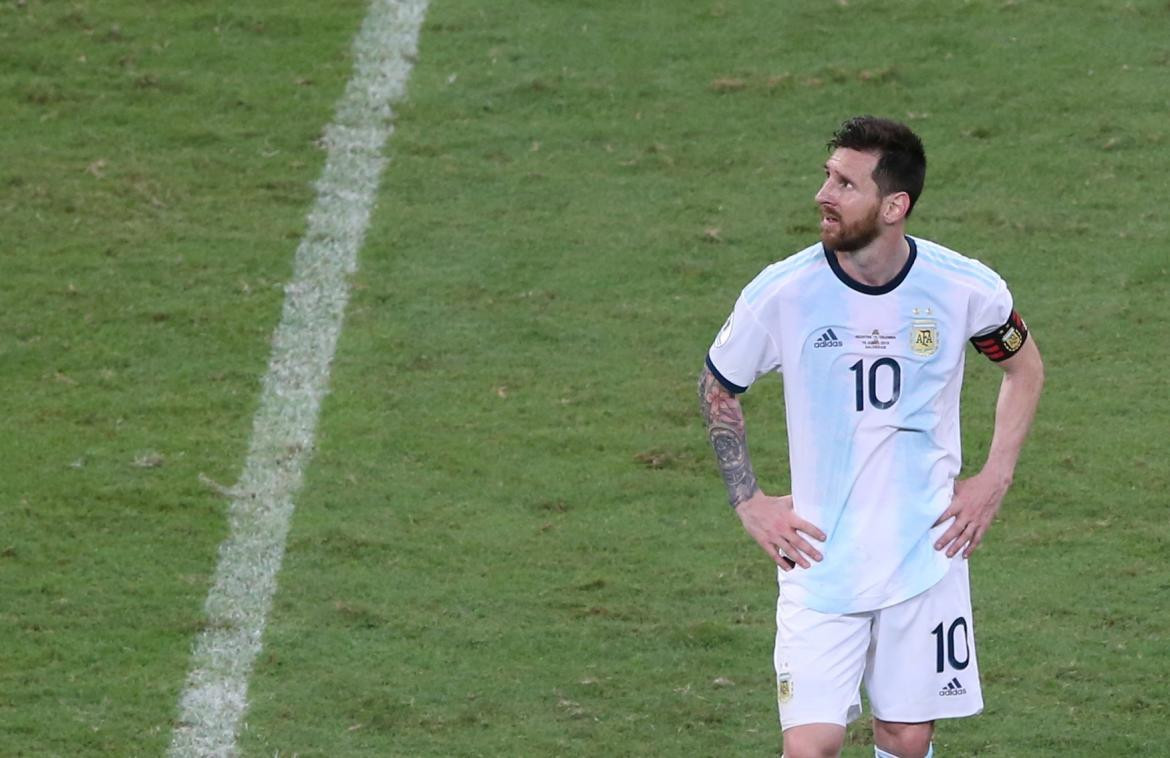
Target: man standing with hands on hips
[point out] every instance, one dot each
(868, 329)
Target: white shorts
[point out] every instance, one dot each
(916, 659)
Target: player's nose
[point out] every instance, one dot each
(823, 195)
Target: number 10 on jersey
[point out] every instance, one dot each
(866, 384)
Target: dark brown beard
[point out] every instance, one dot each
(855, 237)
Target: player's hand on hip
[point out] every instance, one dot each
(773, 523)
(973, 507)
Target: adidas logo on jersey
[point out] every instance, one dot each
(828, 339)
(953, 688)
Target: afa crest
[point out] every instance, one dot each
(924, 337)
(1013, 340)
(784, 687)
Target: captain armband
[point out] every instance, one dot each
(1005, 341)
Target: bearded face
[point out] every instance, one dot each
(847, 235)
(849, 201)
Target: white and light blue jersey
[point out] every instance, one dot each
(871, 390)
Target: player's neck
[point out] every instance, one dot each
(878, 262)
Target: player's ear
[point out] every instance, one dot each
(895, 206)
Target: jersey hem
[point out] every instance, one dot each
(823, 604)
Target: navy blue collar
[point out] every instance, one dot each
(869, 289)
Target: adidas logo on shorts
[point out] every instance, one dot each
(828, 339)
(953, 688)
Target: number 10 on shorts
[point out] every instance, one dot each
(950, 642)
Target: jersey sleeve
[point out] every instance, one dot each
(996, 329)
(989, 309)
(743, 351)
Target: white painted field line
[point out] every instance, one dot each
(214, 698)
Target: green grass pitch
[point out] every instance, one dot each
(512, 539)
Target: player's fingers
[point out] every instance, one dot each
(953, 532)
(966, 540)
(778, 556)
(799, 550)
(811, 530)
(786, 549)
(948, 514)
(804, 547)
(976, 541)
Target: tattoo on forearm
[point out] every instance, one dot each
(728, 434)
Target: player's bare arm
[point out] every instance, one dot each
(727, 431)
(771, 521)
(978, 498)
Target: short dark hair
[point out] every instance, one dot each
(901, 158)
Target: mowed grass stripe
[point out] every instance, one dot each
(215, 696)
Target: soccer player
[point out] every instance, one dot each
(868, 329)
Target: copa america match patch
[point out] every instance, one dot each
(1005, 341)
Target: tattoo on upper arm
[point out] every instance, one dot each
(727, 432)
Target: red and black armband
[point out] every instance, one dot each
(1004, 342)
